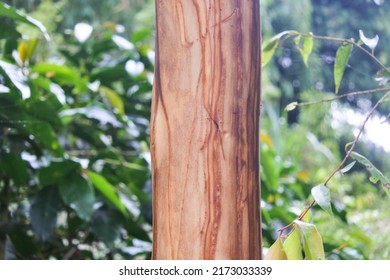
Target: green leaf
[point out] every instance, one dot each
(16, 77)
(136, 231)
(376, 175)
(268, 51)
(28, 126)
(386, 187)
(291, 106)
(8, 11)
(24, 245)
(43, 212)
(292, 245)
(53, 88)
(43, 110)
(106, 225)
(321, 195)
(56, 171)
(268, 48)
(78, 194)
(276, 251)
(9, 32)
(297, 40)
(312, 241)
(114, 99)
(342, 57)
(308, 216)
(107, 75)
(348, 167)
(140, 35)
(269, 168)
(64, 75)
(107, 190)
(44, 134)
(306, 48)
(14, 167)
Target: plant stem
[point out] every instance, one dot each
(369, 115)
(348, 41)
(301, 216)
(342, 96)
(353, 144)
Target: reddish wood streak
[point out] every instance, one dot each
(204, 130)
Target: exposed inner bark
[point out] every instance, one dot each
(205, 130)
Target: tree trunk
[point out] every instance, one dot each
(205, 130)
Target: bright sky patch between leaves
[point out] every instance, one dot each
(376, 131)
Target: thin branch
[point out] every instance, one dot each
(369, 115)
(386, 120)
(301, 216)
(348, 41)
(342, 96)
(353, 144)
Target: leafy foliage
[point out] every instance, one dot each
(74, 171)
(288, 84)
(72, 130)
(376, 175)
(10, 12)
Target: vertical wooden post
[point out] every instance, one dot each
(205, 130)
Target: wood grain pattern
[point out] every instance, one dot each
(205, 130)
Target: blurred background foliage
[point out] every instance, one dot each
(304, 146)
(74, 136)
(74, 120)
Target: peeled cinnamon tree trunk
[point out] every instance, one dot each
(205, 130)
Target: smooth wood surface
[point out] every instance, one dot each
(205, 130)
